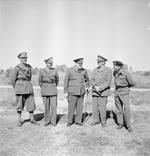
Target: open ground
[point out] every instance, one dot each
(31, 140)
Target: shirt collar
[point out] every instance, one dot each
(77, 69)
(101, 68)
(120, 72)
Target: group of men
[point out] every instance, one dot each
(76, 83)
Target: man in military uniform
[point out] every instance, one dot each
(74, 89)
(48, 81)
(123, 81)
(100, 81)
(21, 82)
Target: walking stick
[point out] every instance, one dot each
(86, 116)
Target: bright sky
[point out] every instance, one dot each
(68, 29)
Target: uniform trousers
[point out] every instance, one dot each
(75, 103)
(50, 109)
(123, 109)
(99, 109)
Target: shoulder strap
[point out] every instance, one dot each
(22, 71)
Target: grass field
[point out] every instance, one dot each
(30, 140)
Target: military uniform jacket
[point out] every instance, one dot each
(123, 81)
(101, 77)
(21, 79)
(75, 81)
(48, 81)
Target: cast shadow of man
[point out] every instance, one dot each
(109, 114)
(63, 117)
(40, 116)
(37, 117)
(112, 115)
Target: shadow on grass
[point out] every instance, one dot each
(63, 117)
(40, 116)
(26, 120)
(85, 117)
(59, 117)
(111, 114)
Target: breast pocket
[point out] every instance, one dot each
(46, 79)
(53, 76)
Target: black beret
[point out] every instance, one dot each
(118, 63)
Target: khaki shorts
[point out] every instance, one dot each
(25, 100)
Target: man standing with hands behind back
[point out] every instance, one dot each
(48, 81)
(76, 79)
(21, 82)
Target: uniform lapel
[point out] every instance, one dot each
(76, 69)
(101, 69)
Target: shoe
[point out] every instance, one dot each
(69, 124)
(130, 130)
(79, 124)
(34, 122)
(103, 125)
(94, 123)
(120, 126)
(19, 124)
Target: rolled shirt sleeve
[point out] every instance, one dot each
(131, 83)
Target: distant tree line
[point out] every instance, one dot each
(142, 78)
(35, 71)
(63, 68)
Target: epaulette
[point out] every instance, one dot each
(28, 65)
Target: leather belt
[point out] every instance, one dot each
(117, 87)
(22, 80)
(48, 82)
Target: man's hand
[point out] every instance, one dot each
(66, 95)
(87, 89)
(97, 88)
